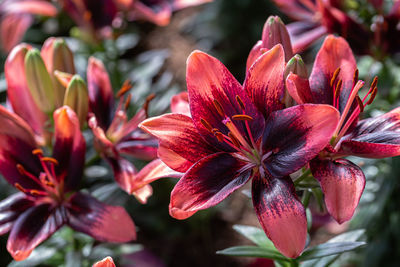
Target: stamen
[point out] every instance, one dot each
(206, 124)
(242, 117)
(37, 151)
(355, 77)
(231, 126)
(219, 136)
(147, 102)
(338, 88)
(125, 88)
(240, 102)
(374, 82)
(218, 107)
(214, 130)
(127, 101)
(234, 139)
(334, 76)
(21, 169)
(34, 192)
(20, 188)
(360, 103)
(372, 97)
(48, 159)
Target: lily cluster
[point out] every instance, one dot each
(223, 134)
(370, 27)
(96, 19)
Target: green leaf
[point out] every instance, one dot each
(254, 234)
(328, 249)
(253, 251)
(351, 236)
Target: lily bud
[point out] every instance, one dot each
(39, 81)
(275, 32)
(63, 78)
(296, 66)
(76, 97)
(58, 57)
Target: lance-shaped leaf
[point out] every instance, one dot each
(264, 81)
(296, 135)
(342, 183)
(39, 81)
(206, 184)
(281, 214)
(33, 227)
(18, 92)
(209, 82)
(103, 222)
(101, 98)
(69, 148)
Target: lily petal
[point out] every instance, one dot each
(143, 193)
(106, 262)
(124, 172)
(255, 53)
(208, 80)
(304, 33)
(35, 7)
(18, 92)
(177, 132)
(296, 135)
(102, 222)
(12, 29)
(264, 81)
(69, 148)
(206, 184)
(281, 214)
(101, 98)
(180, 104)
(11, 208)
(299, 89)
(33, 227)
(342, 183)
(334, 53)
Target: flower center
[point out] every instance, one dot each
(246, 147)
(348, 117)
(47, 179)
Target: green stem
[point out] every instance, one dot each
(302, 177)
(306, 198)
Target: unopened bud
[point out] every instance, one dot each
(63, 78)
(274, 33)
(39, 81)
(296, 66)
(58, 57)
(76, 97)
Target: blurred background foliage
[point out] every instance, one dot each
(153, 58)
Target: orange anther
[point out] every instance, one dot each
(374, 82)
(240, 102)
(127, 101)
(219, 136)
(218, 107)
(360, 103)
(355, 77)
(37, 151)
(19, 187)
(373, 95)
(338, 88)
(147, 102)
(126, 86)
(48, 159)
(35, 192)
(20, 169)
(242, 117)
(206, 124)
(334, 76)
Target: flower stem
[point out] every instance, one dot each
(302, 177)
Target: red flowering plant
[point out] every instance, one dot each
(49, 196)
(237, 133)
(116, 135)
(334, 81)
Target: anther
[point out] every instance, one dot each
(37, 151)
(242, 117)
(147, 102)
(334, 76)
(126, 86)
(206, 124)
(240, 102)
(19, 187)
(374, 82)
(214, 130)
(21, 169)
(219, 136)
(355, 77)
(127, 102)
(360, 103)
(48, 159)
(218, 107)
(338, 88)
(34, 192)
(373, 95)
(234, 139)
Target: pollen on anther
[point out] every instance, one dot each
(20, 169)
(206, 124)
(218, 107)
(334, 76)
(355, 77)
(48, 159)
(240, 102)
(19, 187)
(125, 88)
(127, 101)
(338, 88)
(360, 103)
(242, 117)
(374, 82)
(373, 95)
(219, 136)
(37, 151)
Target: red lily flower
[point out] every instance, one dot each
(334, 81)
(106, 262)
(48, 184)
(16, 16)
(116, 135)
(237, 133)
(317, 18)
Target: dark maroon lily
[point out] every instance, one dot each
(317, 18)
(48, 184)
(237, 133)
(334, 81)
(115, 135)
(16, 16)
